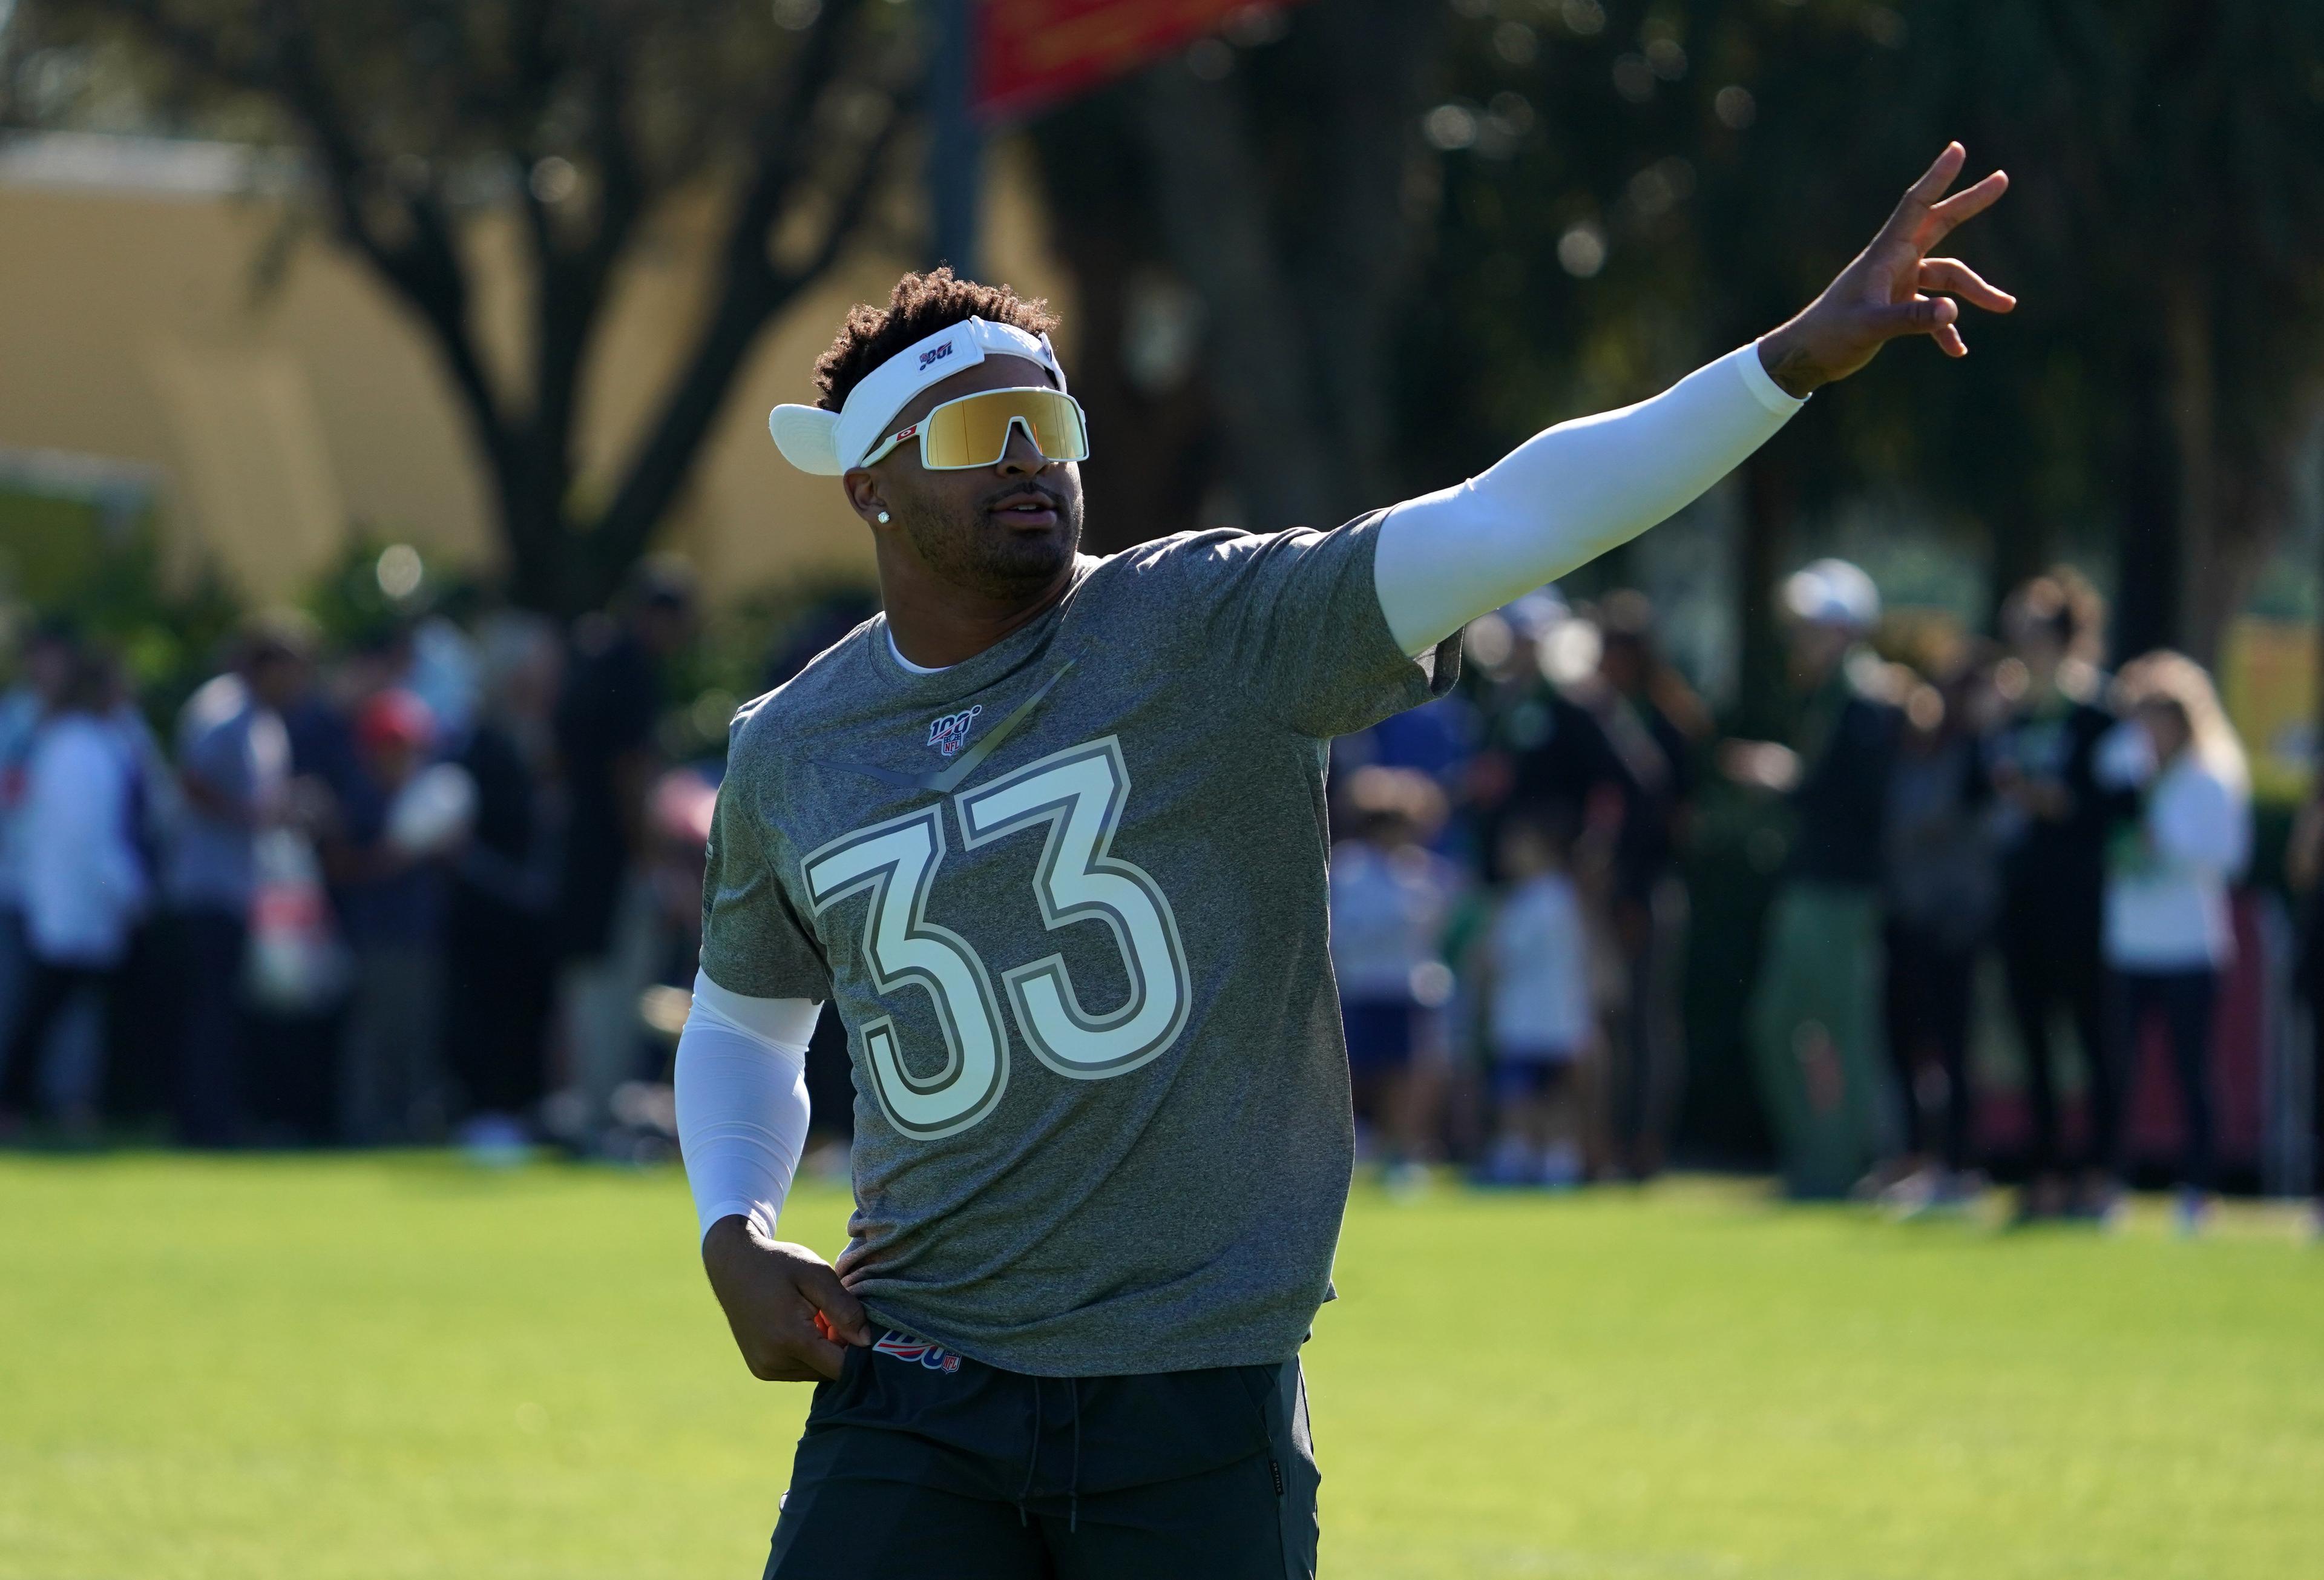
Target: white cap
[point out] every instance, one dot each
(1832, 591)
(828, 443)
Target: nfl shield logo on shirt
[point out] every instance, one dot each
(949, 733)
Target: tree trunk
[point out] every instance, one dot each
(1213, 201)
(1374, 56)
(2147, 606)
(1770, 498)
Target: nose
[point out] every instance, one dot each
(1023, 458)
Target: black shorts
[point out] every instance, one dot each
(917, 1462)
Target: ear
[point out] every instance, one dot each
(864, 497)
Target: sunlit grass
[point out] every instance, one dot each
(320, 1368)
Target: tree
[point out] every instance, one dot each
(1700, 168)
(1266, 171)
(590, 120)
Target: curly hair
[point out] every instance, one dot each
(920, 306)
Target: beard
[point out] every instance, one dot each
(980, 551)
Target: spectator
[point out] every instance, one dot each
(234, 761)
(501, 957)
(2303, 867)
(1815, 1012)
(1650, 723)
(2051, 818)
(1390, 895)
(2169, 933)
(391, 857)
(604, 724)
(1543, 754)
(85, 879)
(1944, 889)
(45, 668)
(1540, 1023)
(296, 1011)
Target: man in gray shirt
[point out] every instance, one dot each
(1050, 833)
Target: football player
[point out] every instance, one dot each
(1049, 832)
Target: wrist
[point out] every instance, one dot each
(1784, 355)
(727, 1234)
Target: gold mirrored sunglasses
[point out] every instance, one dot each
(972, 430)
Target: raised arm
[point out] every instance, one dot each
(1567, 495)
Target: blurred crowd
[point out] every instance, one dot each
(420, 889)
(1511, 914)
(443, 885)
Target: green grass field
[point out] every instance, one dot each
(314, 1369)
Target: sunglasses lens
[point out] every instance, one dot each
(974, 430)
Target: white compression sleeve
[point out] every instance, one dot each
(742, 1101)
(1565, 496)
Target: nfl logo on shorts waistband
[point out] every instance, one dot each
(949, 733)
(935, 1357)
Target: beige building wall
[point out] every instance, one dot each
(133, 326)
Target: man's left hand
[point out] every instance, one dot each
(1893, 289)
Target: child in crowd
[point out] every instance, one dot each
(2170, 933)
(1390, 895)
(402, 819)
(1540, 1020)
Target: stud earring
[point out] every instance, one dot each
(883, 518)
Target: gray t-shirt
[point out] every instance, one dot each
(1070, 899)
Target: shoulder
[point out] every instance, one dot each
(74, 740)
(1179, 558)
(2194, 782)
(1221, 553)
(764, 725)
(216, 702)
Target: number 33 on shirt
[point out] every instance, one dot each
(1077, 795)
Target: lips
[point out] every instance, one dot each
(1025, 507)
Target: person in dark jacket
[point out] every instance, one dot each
(501, 954)
(1815, 1015)
(1944, 888)
(605, 717)
(1649, 723)
(2053, 819)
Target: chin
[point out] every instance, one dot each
(1033, 561)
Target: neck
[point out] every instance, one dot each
(937, 624)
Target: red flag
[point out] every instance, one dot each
(1031, 53)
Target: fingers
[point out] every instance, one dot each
(1952, 275)
(1934, 316)
(826, 1359)
(1925, 192)
(836, 1311)
(1970, 200)
(803, 1360)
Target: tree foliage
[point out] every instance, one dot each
(586, 120)
(1631, 187)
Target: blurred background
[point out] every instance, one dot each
(388, 531)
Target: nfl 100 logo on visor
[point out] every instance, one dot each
(949, 733)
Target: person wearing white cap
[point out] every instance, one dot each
(1815, 1023)
(1050, 833)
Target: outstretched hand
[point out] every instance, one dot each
(792, 1319)
(1893, 288)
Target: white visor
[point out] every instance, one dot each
(829, 443)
